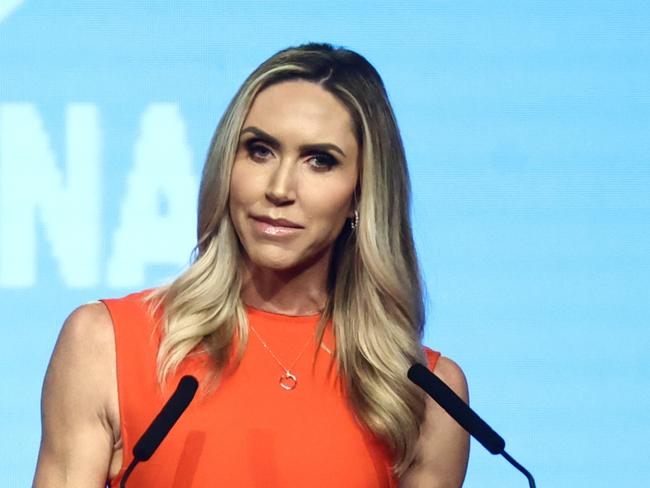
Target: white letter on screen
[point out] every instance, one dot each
(157, 218)
(67, 202)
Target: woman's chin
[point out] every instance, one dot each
(275, 262)
(284, 259)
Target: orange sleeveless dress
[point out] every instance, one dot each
(249, 432)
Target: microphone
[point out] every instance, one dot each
(162, 424)
(463, 414)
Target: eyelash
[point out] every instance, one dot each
(328, 161)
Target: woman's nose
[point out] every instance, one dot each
(280, 188)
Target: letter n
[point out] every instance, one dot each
(33, 188)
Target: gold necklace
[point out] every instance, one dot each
(288, 380)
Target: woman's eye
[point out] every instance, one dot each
(323, 161)
(318, 161)
(257, 151)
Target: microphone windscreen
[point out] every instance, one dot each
(456, 408)
(166, 419)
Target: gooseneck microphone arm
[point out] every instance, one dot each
(162, 424)
(511, 460)
(463, 414)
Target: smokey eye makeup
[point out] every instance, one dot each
(258, 150)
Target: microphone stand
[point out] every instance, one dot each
(162, 424)
(511, 460)
(456, 407)
(127, 473)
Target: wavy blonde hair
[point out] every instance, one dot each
(374, 285)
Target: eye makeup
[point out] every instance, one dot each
(256, 145)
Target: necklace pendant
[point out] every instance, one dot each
(288, 381)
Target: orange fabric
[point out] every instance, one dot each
(249, 432)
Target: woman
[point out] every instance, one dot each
(304, 243)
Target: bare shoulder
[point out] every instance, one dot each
(87, 325)
(77, 402)
(85, 346)
(442, 450)
(454, 377)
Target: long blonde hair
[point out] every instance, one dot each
(374, 285)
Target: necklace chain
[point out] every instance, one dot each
(288, 380)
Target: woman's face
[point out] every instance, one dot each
(296, 163)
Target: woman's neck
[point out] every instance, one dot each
(287, 292)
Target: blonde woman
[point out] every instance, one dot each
(300, 313)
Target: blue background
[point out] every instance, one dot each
(527, 130)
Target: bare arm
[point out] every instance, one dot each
(443, 446)
(79, 394)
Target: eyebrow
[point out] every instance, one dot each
(275, 144)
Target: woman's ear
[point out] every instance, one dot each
(354, 204)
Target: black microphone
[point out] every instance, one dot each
(162, 424)
(463, 414)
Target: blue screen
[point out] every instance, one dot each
(527, 132)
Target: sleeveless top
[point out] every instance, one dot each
(249, 432)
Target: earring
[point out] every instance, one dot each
(354, 222)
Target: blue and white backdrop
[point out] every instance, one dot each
(527, 129)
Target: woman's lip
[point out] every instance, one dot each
(267, 229)
(277, 222)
